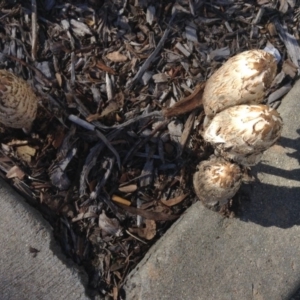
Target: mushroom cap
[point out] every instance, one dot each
(18, 102)
(242, 133)
(243, 79)
(217, 181)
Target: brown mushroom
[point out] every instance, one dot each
(217, 181)
(18, 102)
(242, 133)
(243, 79)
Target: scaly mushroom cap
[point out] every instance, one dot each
(243, 132)
(217, 181)
(243, 79)
(18, 102)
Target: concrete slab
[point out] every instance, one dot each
(47, 276)
(254, 256)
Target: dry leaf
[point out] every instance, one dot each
(148, 214)
(26, 153)
(148, 232)
(111, 107)
(174, 201)
(116, 56)
(101, 65)
(187, 104)
(15, 171)
(58, 138)
(109, 226)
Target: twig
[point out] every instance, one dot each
(135, 237)
(100, 135)
(121, 200)
(109, 89)
(73, 76)
(149, 60)
(137, 146)
(133, 179)
(34, 29)
(81, 122)
(187, 130)
(108, 165)
(91, 159)
(109, 146)
(153, 55)
(46, 81)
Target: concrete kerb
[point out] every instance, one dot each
(254, 256)
(23, 275)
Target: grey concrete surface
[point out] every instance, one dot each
(48, 276)
(254, 256)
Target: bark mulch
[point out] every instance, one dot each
(108, 163)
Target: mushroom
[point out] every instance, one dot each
(217, 181)
(18, 102)
(243, 79)
(242, 133)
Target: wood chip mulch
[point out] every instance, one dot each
(108, 163)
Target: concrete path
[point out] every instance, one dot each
(254, 256)
(48, 275)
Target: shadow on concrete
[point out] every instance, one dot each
(279, 204)
(271, 205)
(295, 294)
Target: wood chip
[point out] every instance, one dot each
(150, 15)
(15, 171)
(120, 200)
(191, 34)
(116, 56)
(128, 188)
(161, 77)
(182, 49)
(279, 93)
(290, 42)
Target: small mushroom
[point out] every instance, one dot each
(18, 102)
(243, 79)
(217, 181)
(242, 133)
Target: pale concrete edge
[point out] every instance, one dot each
(294, 92)
(156, 246)
(53, 245)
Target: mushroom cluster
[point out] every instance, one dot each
(18, 102)
(237, 125)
